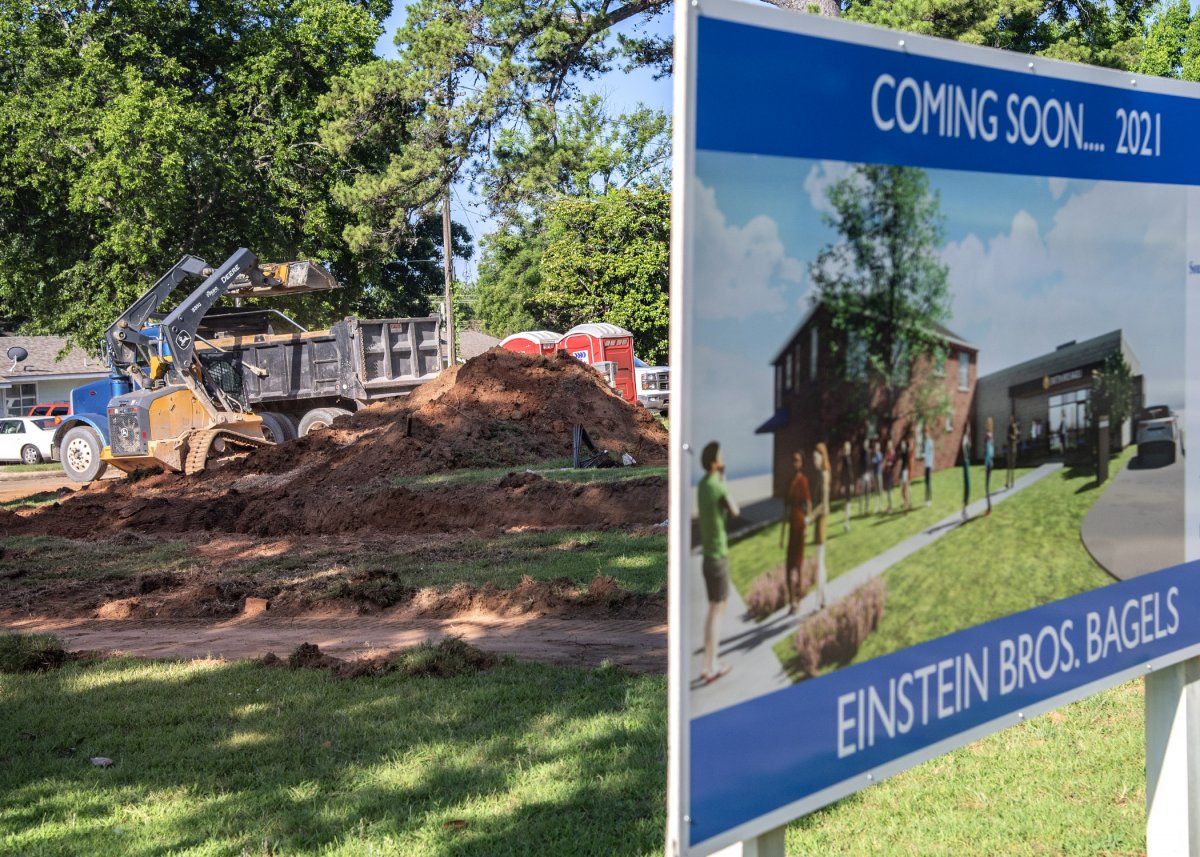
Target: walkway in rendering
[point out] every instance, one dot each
(746, 644)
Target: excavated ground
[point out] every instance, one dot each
(369, 496)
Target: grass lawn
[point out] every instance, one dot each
(214, 758)
(38, 565)
(31, 501)
(30, 468)
(559, 470)
(1027, 553)
(869, 536)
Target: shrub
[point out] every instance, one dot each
(834, 635)
(22, 653)
(768, 592)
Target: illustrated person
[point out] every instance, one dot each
(867, 470)
(797, 506)
(989, 453)
(846, 480)
(877, 475)
(928, 467)
(713, 505)
(1014, 437)
(1062, 435)
(907, 460)
(889, 472)
(966, 465)
(820, 507)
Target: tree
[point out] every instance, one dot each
(607, 260)
(1113, 391)
(136, 132)
(884, 284)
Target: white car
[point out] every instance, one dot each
(26, 439)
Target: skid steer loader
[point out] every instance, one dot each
(172, 407)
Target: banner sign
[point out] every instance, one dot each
(913, 282)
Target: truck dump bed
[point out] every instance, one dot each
(355, 359)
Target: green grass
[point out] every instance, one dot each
(36, 568)
(559, 470)
(214, 759)
(30, 468)
(226, 759)
(869, 536)
(1026, 554)
(28, 560)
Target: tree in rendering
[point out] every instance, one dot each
(884, 286)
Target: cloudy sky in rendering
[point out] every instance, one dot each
(1033, 262)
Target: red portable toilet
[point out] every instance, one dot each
(532, 342)
(597, 344)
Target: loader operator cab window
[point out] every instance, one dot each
(224, 372)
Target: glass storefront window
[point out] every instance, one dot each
(1069, 419)
(18, 399)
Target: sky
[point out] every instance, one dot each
(1033, 262)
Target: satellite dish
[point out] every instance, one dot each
(16, 354)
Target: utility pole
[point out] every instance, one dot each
(448, 263)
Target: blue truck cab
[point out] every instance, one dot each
(82, 435)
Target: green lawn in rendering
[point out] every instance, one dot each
(214, 758)
(870, 535)
(1025, 554)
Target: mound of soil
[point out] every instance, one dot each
(500, 408)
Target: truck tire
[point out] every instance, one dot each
(30, 454)
(275, 428)
(293, 424)
(320, 418)
(81, 455)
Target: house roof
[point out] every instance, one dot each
(44, 362)
(941, 330)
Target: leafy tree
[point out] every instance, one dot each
(1113, 391)
(607, 260)
(884, 284)
(510, 275)
(134, 132)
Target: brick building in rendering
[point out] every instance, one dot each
(821, 394)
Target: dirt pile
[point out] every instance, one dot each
(498, 409)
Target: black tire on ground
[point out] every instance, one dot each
(30, 454)
(275, 428)
(293, 424)
(320, 418)
(80, 454)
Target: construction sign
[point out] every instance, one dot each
(930, 424)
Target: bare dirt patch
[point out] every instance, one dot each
(339, 529)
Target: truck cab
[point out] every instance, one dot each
(653, 385)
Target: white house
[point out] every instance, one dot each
(43, 376)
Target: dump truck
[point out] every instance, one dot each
(187, 387)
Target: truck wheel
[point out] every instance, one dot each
(81, 455)
(275, 428)
(320, 418)
(30, 455)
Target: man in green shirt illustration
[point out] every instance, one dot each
(713, 504)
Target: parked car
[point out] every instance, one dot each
(26, 439)
(1156, 439)
(50, 409)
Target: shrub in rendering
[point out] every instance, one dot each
(834, 635)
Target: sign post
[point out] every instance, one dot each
(897, 262)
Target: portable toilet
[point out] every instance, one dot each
(597, 344)
(532, 342)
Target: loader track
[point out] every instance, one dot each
(200, 443)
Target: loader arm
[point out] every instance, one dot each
(125, 334)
